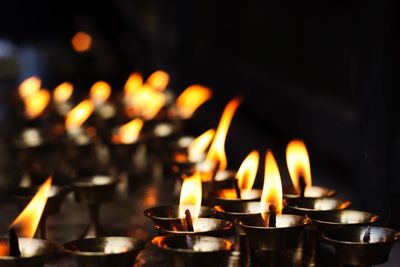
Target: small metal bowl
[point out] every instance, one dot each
(193, 250)
(351, 250)
(235, 209)
(95, 189)
(303, 206)
(228, 195)
(311, 192)
(34, 252)
(105, 251)
(329, 220)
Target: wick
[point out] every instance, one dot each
(367, 235)
(189, 221)
(272, 216)
(237, 189)
(14, 244)
(302, 185)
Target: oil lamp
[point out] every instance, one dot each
(105, 251)
(190, 100)
(55, 198)
(61, 95)
(94, 191)
(271, 232)
(25, 250)
(193, 250)
(189, 217)
(298, 163)
(362, 245)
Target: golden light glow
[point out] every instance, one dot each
(190, 196)
(35, 104)
(158, 80)
(29, 87)
(247, 172)
(79, 114)
(147, 102)
(272, 189)
(298, 163)
(28, 220)
(134, 82)
(81, 42)
(192, 98)
(199, 145)
(216, 154)
(129, 132)
(100, 92)
(63, 92)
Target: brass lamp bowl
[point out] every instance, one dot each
(193, 250)
(95, 189)
(329, 220)
(303, 206)
(310, 192)
(105, 251)
(34, 252)
(236, 209)
(228, 195)
(167, 216)
(201, 226)
(283, 236)
(351, 249)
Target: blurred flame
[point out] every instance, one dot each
(190, 196)
(100, 92)
(36, 103)
(81, 42)
(158, 80)
(199, 145)
(298, 163)
(247, 172)
(272, 189)
(192, 98)
(147, 102)
(133, 84)
(129, 132)
(29, 87)
(78, 115)
(63, 92)
(28, 220)
(216, 154)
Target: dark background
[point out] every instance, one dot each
(322, 71)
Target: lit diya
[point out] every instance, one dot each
(105, 251)
(193, 250)
(298, 163)
(189, 217)
(21, 249)
(62, 95)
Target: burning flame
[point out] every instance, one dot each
(190, 196)
(272, 189)
(192, 98)
(36, 103)
(147, 102)
(29, 87)
(100, 92)
(247, 172)
(78, 115)
(298, 164)
(216, 154)
(133, 84)
(28, 220)
(199, 145)
(63, 92)
(158, 80)
(81, 42)
(129, 132)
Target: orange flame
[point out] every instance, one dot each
(28, 220)
(133, 84)
(192, 98)
(272, 189)
(63, 92)
(216, 154)
(158, 80)
(199, 145)
(29, 87)
(129, 132)
(298, 163)
(190, 196)
(81, 42)
(247, 172)
(78, 115)
(147, 102)
(100, 92)
(35, 104)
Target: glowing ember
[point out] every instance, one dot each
(192, 98)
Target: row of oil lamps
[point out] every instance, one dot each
(264, 222)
